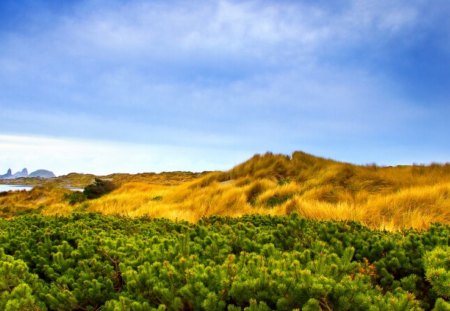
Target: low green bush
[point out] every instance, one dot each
(437, 270)
(90, 262)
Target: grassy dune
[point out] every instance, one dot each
(381, 197)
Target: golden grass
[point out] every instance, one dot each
(388, 198)
(128, 198)
(59, 209)
(313, 209)
(414, 207)
(26, 201)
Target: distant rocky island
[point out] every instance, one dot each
(24, 173)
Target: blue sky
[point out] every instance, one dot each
(130, 86)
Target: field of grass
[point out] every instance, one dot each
(390, 198)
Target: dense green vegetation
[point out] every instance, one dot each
(89, 261)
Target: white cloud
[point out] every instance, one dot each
(227, 28)
(63, 156)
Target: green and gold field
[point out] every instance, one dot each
(276, 232)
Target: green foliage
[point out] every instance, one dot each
(16, 285)
(284, 181)
(75, 197)
(98, 188)
(278, 199)
(90, 262)
(437, 270)
(441, 305)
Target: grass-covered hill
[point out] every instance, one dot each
(77, 180)
(269, 184)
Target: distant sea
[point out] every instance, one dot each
(4, 188)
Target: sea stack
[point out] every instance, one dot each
(7, 175)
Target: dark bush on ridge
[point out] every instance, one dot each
(98, 188)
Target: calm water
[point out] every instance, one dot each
(24, 187)
(14, 187)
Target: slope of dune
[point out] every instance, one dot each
(318, 188)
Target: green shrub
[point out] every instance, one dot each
(75, 197)
(98, 188)
(87, 261)
(437, 270)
